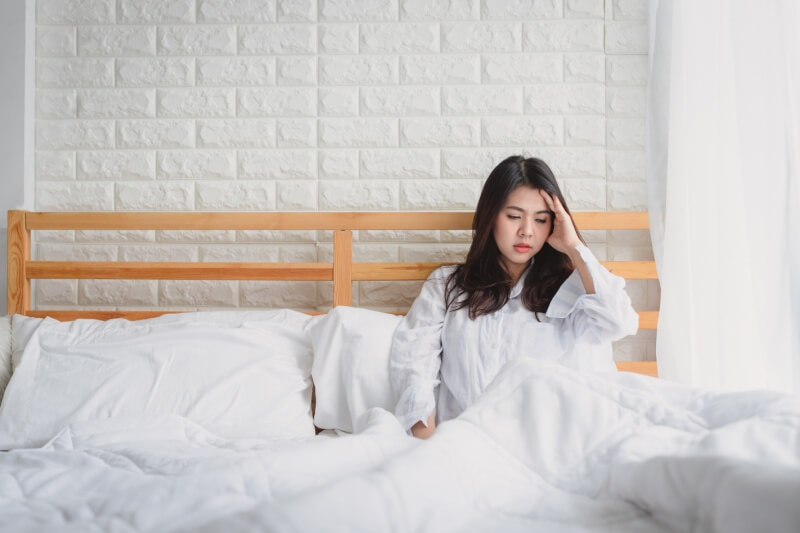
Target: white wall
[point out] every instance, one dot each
(326, 105)
(12, 125)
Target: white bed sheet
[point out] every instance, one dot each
(545, 449)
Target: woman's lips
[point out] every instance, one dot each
(522, 248)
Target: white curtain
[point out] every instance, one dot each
(723, 171)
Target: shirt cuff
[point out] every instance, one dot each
(416, 404)
(572, 290)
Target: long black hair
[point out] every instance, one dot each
(482, 280)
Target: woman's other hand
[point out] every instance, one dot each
(421, 431)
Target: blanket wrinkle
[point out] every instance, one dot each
(544, 449)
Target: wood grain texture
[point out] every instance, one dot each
(179, 271)
(74, 314)
(648, 368)
(611, 220)
(19, 254)
(648, 319)
(394, 271)
(632, 269)
(342, 268)
(409, 220)
(252, 221)
(65, 315)
(420, 271)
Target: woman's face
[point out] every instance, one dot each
(521, 228)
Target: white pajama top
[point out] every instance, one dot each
(443, 360)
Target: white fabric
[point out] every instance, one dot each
(5, 353)
(351, 364)
(433, 347)
(723, 170)
(549, 449)
(22, 328)
(544, 449)
(166, 473)
(237, 377)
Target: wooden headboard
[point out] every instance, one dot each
(342, 271)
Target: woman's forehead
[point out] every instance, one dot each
(527, 199)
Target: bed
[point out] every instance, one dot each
(160, 421)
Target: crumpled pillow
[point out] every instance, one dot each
(350, 369)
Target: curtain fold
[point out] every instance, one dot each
(723, 172)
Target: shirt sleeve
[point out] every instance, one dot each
(604, 316)
(416, 352)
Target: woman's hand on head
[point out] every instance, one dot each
(564, 237)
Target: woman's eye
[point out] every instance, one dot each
(514, 217)
(541, 220)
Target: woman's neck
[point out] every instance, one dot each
(514, 270)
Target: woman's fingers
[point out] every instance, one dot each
(563, 235)
(559, 208)
(554, 204)
(549, 201)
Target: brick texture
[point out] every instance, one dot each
(302, 105)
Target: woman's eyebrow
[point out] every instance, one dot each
(540, 212)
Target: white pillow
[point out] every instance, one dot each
(22, 327)
(351, 365)
(239, 375)
(5, 353)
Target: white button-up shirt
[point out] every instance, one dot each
(434, 348)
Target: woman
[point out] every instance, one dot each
(529, 287)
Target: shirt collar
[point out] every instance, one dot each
(515, 292)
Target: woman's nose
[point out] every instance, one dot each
(526, 228)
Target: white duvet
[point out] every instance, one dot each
(545, 449)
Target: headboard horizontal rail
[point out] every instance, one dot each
(648, 368)
(402, 220)
(648, 319)
(420, 271)
(179, 270)
(67, 314)
(267, 271)
(251, 221)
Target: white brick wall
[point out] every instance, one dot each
(330, 105)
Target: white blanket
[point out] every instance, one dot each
(545, 449)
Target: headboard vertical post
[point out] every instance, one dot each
(19, 253)
(342, 268)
